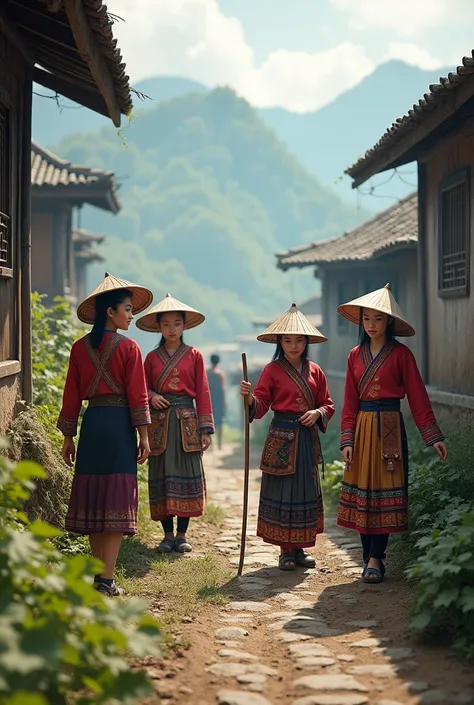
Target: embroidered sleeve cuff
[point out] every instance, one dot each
(347, 437)
(68, 427)
(431, 435)
(206, 423)
(322, 422)
(141, 416)
(253, 408)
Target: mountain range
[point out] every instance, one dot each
(325, 141)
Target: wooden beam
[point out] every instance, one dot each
(25, 237)
(89, 51)
(89, 99)
(17, 39)
(396, 155)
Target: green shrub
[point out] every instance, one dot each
(438, 548)
(445, 574)
(58, 635)
(54, 330)
(331, 485)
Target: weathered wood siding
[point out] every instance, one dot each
(12, 81)
(342, 283)
(450, 320)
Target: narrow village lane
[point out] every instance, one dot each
(310, 637)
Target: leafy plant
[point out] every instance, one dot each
(438, 548)
(54, 330)
(58, 635)
(445, 574)
(331, 485)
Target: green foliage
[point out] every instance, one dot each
(58, 635)
(331, 485)
(54, 330)
(209, 195)
(445, 574)
(439, 546)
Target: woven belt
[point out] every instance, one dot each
(109, 400)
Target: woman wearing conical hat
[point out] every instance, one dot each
(380, 372)
(290, 513)
(182, 421)
(106, 369)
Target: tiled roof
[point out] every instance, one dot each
(445, 93)
(49, 171)
(74, 51)
(395, 227)
(84, 242)
(85, 237)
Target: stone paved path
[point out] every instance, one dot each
(309, 637)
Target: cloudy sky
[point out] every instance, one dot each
(298, 54)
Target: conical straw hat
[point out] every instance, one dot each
(141, 297)
(192, 317)
(293, 322)
(380, 300)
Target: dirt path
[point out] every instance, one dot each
(314, 637)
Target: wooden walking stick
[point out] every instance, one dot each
(246, 471)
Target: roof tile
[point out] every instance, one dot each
(395, 227)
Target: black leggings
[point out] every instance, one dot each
(374, 546)
(167, 524)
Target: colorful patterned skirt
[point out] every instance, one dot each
(104, 496)
(291, 509)
(176, 482)
(374, 493)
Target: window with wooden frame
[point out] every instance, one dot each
(6, 240)
(454, 235)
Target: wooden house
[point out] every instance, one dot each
(438, 132)
(381, 250)
(60, 253)
(68, 47)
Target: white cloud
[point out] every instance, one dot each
(407, 18)
(302, 81)
(412, 54)
(193, 38)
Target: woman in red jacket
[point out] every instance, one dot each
(106, 369)
(380, 372)
(182, 422)
(290, 513)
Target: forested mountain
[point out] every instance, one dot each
(209, 195)
(325, 141)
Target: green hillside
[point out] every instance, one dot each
(209, 195)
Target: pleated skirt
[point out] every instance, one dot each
(374, 500)
(104, 495)
(291, 511)
(176, 481)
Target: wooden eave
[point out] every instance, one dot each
(74, 51)
(425, 125)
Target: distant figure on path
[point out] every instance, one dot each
(179, 431)
(106, 368)
(216, 379)
(380, 372)
(290, 512)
